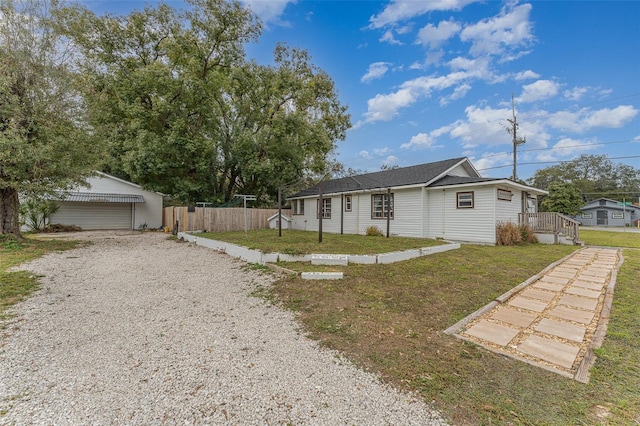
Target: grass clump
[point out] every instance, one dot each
(511, 234)
(373, 231)
(17, 285)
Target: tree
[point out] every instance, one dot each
(44, 144)
(563, 198)
(184, 112)
(595, 176)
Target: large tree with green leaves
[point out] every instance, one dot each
(594, 176)
(186, 114)
(44, 144)
(564, 197)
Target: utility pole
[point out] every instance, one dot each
(516, 141)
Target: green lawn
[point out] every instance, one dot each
(610, 238)
(15, 286)
(390, 319)
(304, 242)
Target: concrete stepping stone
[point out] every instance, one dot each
(555, 280)
(548, 286)
(588, 285)
(578, 302)
(533, 293)
(492, 332)
(591, 278)
(512, 316)
(561, 329)
(530, 304)
(579, 291)
(562, 274)
(549, 350)
(571, 314)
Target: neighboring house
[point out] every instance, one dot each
(445, 199)
(274, 222)
(606, 212)
(109, 203)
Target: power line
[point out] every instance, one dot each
(554, 162)
(559, 147)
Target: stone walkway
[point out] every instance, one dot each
(555, 319)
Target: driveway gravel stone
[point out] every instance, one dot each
(136, 329)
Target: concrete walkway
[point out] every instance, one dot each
(555, 319)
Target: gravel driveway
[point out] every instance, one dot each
(137, 329)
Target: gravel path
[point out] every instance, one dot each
(136, 329)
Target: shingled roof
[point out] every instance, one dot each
(404, 176)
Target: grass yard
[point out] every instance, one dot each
(389, 319)
(15, 286)
(610, 238)
(305, 242)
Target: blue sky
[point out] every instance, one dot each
(431, 80)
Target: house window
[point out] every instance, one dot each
(464, 200)
(615, 215)
(326, 208)
(380, 206)
(587, 215)
(297, 207)
(504, 194)
(347, 203)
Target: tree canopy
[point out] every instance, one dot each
(564, 197)
(44, 143)
(594, 176)
(185, 113)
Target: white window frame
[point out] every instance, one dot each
(587, 215)
(297, 207)
(326, 208)
(348, 203)
(617, 215)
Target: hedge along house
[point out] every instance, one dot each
(108, 202)
(445, 199)
(606, 212)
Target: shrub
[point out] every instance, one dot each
(508, 234)
(528, 234)
(373, 231)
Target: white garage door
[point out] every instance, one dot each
(94, 215)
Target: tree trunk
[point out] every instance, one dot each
(9, 207)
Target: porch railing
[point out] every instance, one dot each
(551, 222)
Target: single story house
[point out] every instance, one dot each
(274, 221)
(444, 199)
(607, 212)
(108, 202)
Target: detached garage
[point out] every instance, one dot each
(109, 203)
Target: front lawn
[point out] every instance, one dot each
(610, 238)
(390, 319)
(305, 242)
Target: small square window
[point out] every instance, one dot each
(380, 206)
(464, 200)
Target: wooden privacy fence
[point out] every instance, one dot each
(215, 219)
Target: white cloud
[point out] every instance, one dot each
(505, 32)
(385, 107)
(433, 37)
(565, 148)
(495, 160)
(389, 38)
(526, 75)
(376, 70)
(586, 119)
(399, 10)
(458, 93)
(576, 93)
(365, 154)
(421, 140)
(269, 11)
(538, 91)
(391, 160)
(381, 151)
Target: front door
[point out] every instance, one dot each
(602, 217)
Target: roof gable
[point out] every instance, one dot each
(403, 176)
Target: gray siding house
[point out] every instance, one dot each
(607, 212)
(444, 199)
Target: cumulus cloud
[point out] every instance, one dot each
(496, 160)
(376, 70)
(401, 10)
(526, 75)
(391, 160)
(458, 93)
(421, 140)
(389, 38)
(365, 154)
(538, 91)
(576, 93)
(433, 37)
(269, 11)
(585, 119)
(566, 147)
(509, 30)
